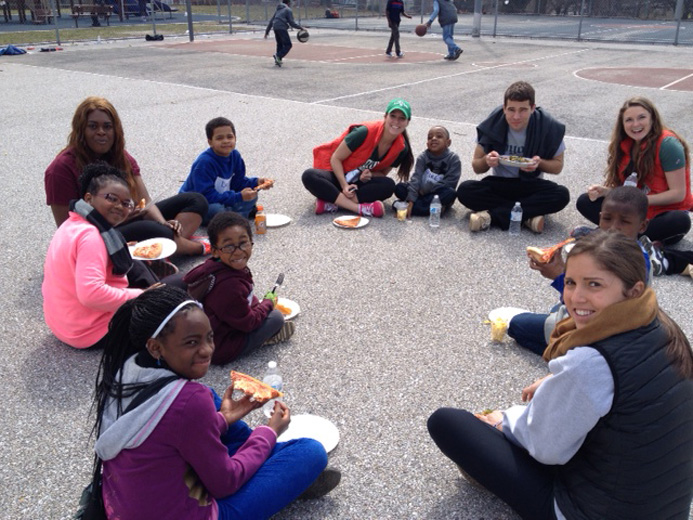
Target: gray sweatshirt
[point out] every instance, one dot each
(434, 171)
(282, 18)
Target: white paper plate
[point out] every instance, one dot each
(505, 313)
(295, 309)
(363, 222)
(169, 247)
(506, 161)
(277, 220)
(313, 427)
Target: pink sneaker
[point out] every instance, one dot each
(372, 209)
(324, 207)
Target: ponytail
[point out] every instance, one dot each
(678, 349)
(408, 162)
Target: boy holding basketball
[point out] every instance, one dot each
(282, 18)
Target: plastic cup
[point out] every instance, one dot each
(401, 209)
(498, 329)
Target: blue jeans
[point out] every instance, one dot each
(528, 330)
(243, 207)
(448, 38)
(290, 468)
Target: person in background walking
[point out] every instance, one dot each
(394, 10)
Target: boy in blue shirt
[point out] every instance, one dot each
(218, 173)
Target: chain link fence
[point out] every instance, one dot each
(637, 21)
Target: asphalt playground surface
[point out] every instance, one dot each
(392, 322)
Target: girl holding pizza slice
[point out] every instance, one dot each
(607, 434)
(184, 453)
(97, 135)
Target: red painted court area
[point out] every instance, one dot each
(664, 79)
(308, 52)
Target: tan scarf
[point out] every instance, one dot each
(623, 316)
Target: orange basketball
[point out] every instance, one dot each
(421, 29)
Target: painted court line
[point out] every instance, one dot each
(675, 82)
(428, 80)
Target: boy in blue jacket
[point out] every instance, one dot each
(218, 173)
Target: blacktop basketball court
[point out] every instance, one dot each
(392, 315)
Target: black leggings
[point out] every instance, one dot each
(142, 229)
(324, 185)
(503, 468)
(668, 227)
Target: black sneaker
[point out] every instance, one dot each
(457, 54)
(447, 57)
(321, 486)
(277, 61)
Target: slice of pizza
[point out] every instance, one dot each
(348, 221)
(142, 204)
(259, 391)
(265, 185)
(150, 251)
(543, 255)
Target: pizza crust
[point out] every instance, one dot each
(256, 389)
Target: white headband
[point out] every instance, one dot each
(172, 314)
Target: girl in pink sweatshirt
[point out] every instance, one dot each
(84, 276)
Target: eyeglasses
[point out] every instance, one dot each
(114, 199)
(230, 249)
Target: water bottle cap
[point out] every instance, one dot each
(272, 364)
(259, 207)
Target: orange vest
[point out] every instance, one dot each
(656, 180)
(323, 153)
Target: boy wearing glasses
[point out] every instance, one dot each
(224, 285)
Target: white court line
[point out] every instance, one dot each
(675, 82)
(256, 96)
(464, 73)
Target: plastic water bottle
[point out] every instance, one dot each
(436, 207)
(632, 180)
(515, 219)
(274, 379)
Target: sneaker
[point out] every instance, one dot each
(479, 221)
(388, 53)
(284, 333)
(162, 268)
(581, 231)
(447, 57)
(400, 55)
(372, 209)
(277, 61)
(457, 54)
(321, 486)
(656, 259)
(324, 207)
(536, 224)
(201, 239)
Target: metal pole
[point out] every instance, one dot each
(55, 22)
(298, 10)
(230, 20)
(153, 16)
(678, 13)
(188, 10)
(476, 25)
(582, 15)
(218, 11)
(422, 10)
(356, 18)
(247, 11)
(495, 19)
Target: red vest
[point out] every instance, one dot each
(323, 152)
(656, 180)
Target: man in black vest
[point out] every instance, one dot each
(521, 130)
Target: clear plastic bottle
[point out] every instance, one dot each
(632, 180)
(515, 219)
(436, 208)
(274, 379)
(260, 221)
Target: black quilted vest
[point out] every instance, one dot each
(637, 462)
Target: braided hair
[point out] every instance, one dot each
(96, 175)
(130, 328)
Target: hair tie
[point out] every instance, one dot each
(172, 314)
